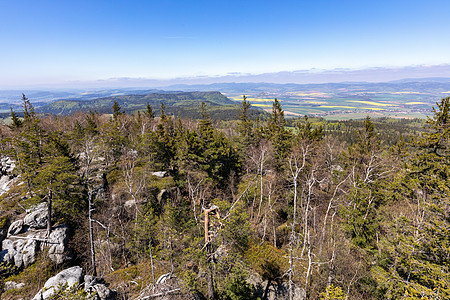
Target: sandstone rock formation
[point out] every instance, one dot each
(71, 276)
(7, 165)
(27, 237)
(74, 277)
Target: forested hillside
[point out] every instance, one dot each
(185, 104)
(256, 208)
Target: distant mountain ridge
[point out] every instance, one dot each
(306, 76)
(418, 85)
(428, 79)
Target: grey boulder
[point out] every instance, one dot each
(74, 276)
(37, 216)
(16, 228)
(12, 285)
(58, 252)
(102, 292)
(70, 277)
(20, 252)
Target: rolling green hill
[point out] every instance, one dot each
(176, 103)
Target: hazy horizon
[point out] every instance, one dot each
(313, 76)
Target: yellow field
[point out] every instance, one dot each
(350, 107)
(414, 103)
(253, 99)
(371, 103)
(261, 105)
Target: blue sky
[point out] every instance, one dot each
(49, 42)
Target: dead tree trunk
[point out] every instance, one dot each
(297, 163)
(151, 261)
(91, 234)
(211, 290)
(49, 211)
(209, 250)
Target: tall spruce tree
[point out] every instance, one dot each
(16, 122)
(277, 134)
(245, 125)
(117, 110)
(149, 112)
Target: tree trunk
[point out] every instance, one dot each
(91, 236)
(211, 291)
(49, 211)
(209, 252)
(151, 261)
(266, 290)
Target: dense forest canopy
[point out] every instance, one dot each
(254, 207)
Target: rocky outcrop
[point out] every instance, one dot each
(70, 277)
(160, 174)
(36, 217)
(20, 252)
(102, 292)
(16, 228)
(2, 234)
(74, 277)
(27, 237)
(7, 165)
(12, 285)
(5, 183)
(275, 291)
(58, 251)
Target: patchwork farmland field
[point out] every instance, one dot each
(347, 104)
(333, 101)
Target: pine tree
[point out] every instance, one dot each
(28, 109)
(277, 134)
(117, 110)
(163, 111)
(277, 122)
(149, 112)
(16, 122)
(306, 131)
(245, 125)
